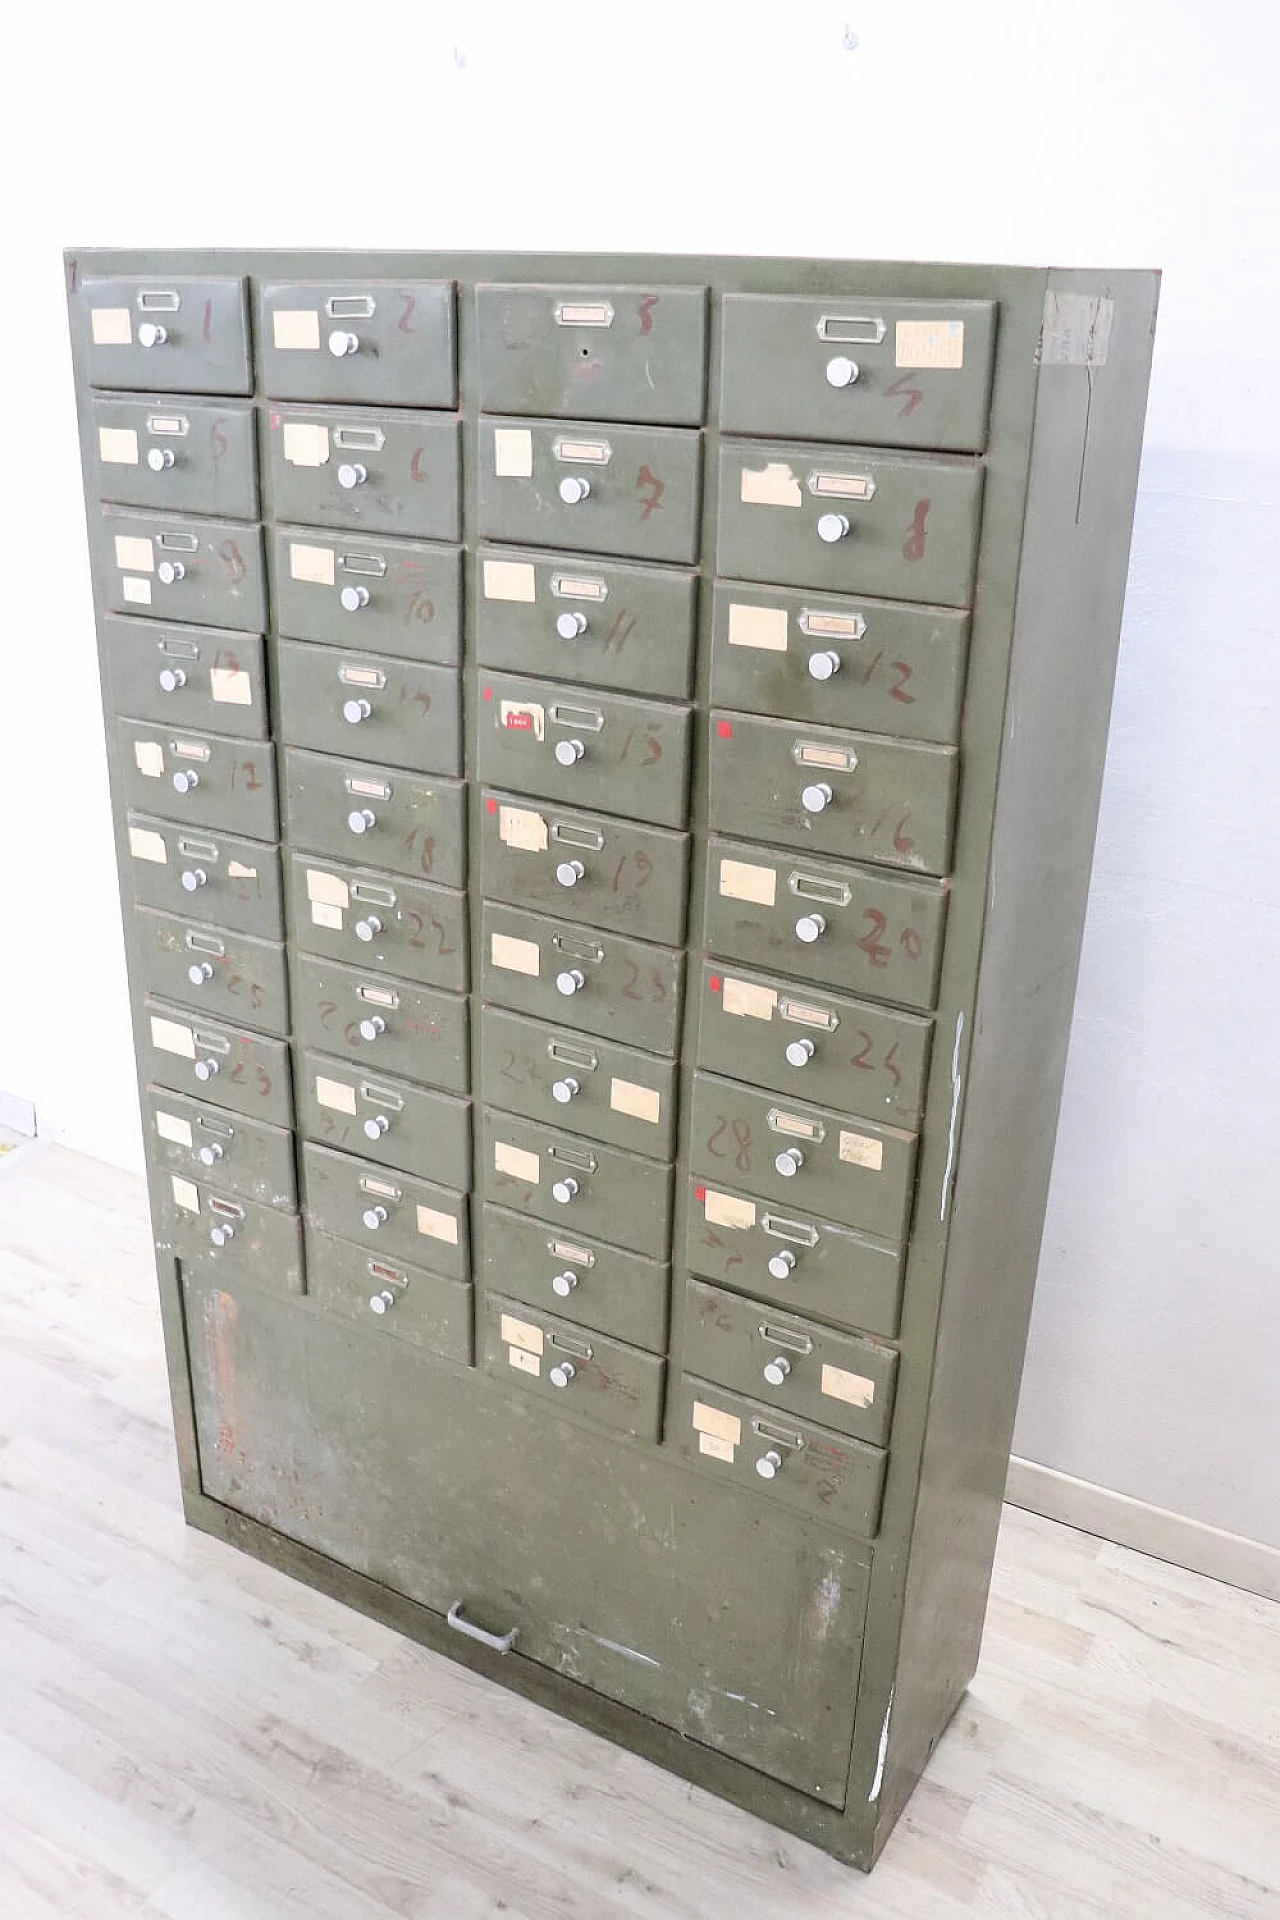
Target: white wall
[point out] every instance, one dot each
(1096, 134)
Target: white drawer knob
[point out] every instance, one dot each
(562, 1373)
(817, 798)
(570, 625)
(563, 1283)
(371, 1026)
(352, 474)
(768, 1464)
(205, 1069)
(351, 599)
(574, 488)
(158, 458)
(569, 872)
(572, 980)
(810, 927)
(382, 1302)
(781, 1264)
(151, 334)
(222, 1234)
(184, 781)
(342, 343)
(569, 752)
(199, 972)
(209, 1155)
(368, 929)
(193, 878)
(354, 711)
(841, 371)
(564, 1190)
(799, 1052)
(777, 1369)
(564, 1090)
(376, 1126)
(169, 572)
(788, 1162)
(374, 1217)
(171, 679)
(824, 665)
(833, 527)
(361, 819)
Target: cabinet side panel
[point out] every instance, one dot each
(1085, 453)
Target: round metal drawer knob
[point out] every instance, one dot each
(810, 927)
(171, 679)
(841, 371)
(564, 1190)
(151, 334)
(199, 972)
(185, 782)
(169, 572)
(569, 872)
(376, 1126)
(824, 665)
(570, 625)
(564, 1090)
(788, 1162)
(781, 1264)
(209, 1155)
(817, 798)
(833, 527)
(158, 458)
(352, 474)
(572, 980)
(798, 1053)
(352, 599)
(769, 1464)
(221, 1235)
(374, 1217)
(382, 1302)
(354, 711)
(205, 1069)
(371, 1026)
(342, 343)
(568, 752)
(777, 1369)
(563, 1284)
(361, 819)
(193, 878)
(368, 929)
(573, 489)
(562, 1373)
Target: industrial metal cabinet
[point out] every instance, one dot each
(605, 755)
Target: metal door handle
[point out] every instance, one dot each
(499, 1642)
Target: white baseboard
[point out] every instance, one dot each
(1250, 1564)
(17, 1114)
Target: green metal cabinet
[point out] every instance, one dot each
(605, 755)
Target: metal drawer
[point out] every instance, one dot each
(392, 1026)
(233, 1067)
(414, 1129)
(600, 983)
(634, 491)
(387, 596)
(578, 747)
(399, 822)
(223, 1234)
(383, 341)
(402, 713)
(188, 334)
(230, 975)
(194, 1138)
(390, 1297)
(167, 566)
(187, 676)
(387, 1212)
(206, 779)
(589, 1086)
(609, 873)
(577, 1277)
(218, 877)
(390, 472)
(405, 927)
(176, 454)
(576, 1184)
(583, 1373)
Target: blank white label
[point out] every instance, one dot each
(774, 485)
(745, 999)
(147, 845)
(136, 592)
(715, 1421)
(111, 326)
(329, 887)
(642, 1103)
(853, 1388)
(524, 1362)
(726, 1210)
(305, 444)
(521, 1333)
(149, 756)
(762, 627)
(185, 1195)
(513, 453)
(517, 956)
(711, 1443)
(296, 329)
(172, 1038)
(741, 881)
(171, 1126)
(231, 685)
(523, 829)
(135, 553)
(118, 446)
(517, 1162)
(323, 914)
(312, 564)
(336, 1094)
(510, 580)
(437, 1226)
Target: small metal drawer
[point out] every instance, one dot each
(634, 491)
(402, 713)
(187, 676)
(577, 747)
(576, 1184)
(222, 1233)
(404, 823)
(792, 1258)
(390, 472)
(602, 983)
(615, 353)
(594, 1087)
(382, 341)
(850, 520)
(580, 1372)
(789, 1362)
(853, 794)
(246, 1157)
(231, 975)
(607, 872)
(211, 780)
(846, 926)
(385, 1211)
(405, 927)
(598, 621)
(393, 1026)
(217, 877)
(176, 454)
(830, 1478)
(577, 1277)
(390, 1297)
(363, 590)
(187, 334)
(860, 1172)
(247, 1072)
(813, 1044)
(166, 566)
(831, 661)
(385, 1119)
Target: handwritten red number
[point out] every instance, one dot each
(903, 388)
(232, 562)
(911, 943)
(913, 545)
(420, 607)
(217, 438)
(903, 672)
(407, 303)
(902, 840)
(644, 308)
(651, 500)
(862, 1058)
(415, 467)
(616, 638)
(871, 943)
(891, 1064)
(206, 331)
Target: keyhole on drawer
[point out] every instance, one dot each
(586, 353)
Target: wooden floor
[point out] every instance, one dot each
(186, 1733)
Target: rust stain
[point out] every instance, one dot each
(221, 1312)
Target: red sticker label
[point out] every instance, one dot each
(714, 983)
(699, 1193)
(519, 722)
(725, 729)
(491, 806)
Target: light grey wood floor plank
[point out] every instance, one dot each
(187, 1735)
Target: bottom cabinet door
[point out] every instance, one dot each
(735, 1621)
